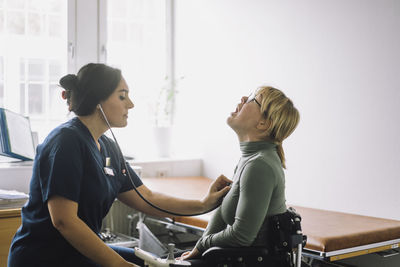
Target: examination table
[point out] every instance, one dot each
(334, 236)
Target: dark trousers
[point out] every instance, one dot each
(127, 253)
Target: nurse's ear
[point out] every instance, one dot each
(102, 112)
(64, 94)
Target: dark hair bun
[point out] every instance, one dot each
(69, 82)
(94, 83)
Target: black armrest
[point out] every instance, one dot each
(218, 252)
(244, 256)
(237, 256)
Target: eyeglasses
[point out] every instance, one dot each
(252, 97)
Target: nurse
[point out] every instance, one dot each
(77, 174)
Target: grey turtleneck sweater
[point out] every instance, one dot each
(258, 192)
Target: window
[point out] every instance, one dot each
(39, 91)
(33, 56)
(42, 40)
(137, 44)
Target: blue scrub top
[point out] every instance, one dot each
(67, 164)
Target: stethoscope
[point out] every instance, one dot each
(125, 165)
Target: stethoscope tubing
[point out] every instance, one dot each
(133, 184)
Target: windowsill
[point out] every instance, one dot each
(11, 163)
(16, 175)
(156, 159)
(16, 164)
(163, 167)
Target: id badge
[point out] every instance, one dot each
(109, 171)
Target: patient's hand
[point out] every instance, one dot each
(190, 255)
(218, 189)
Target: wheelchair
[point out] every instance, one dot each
(284, 251)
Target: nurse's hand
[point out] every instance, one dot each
(218, 189)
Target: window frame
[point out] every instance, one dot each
(170, 36)
(144, 124)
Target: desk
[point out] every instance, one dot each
(10, 220)
(331, 235)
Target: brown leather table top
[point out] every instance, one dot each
(192, 187)
(326, 230)
(330, 231)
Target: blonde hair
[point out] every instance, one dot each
(283, 116)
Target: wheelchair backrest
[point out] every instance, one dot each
(285, 231)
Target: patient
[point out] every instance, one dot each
(261, 121)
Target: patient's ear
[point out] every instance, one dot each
(264, 124)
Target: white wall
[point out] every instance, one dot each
(338, 60)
